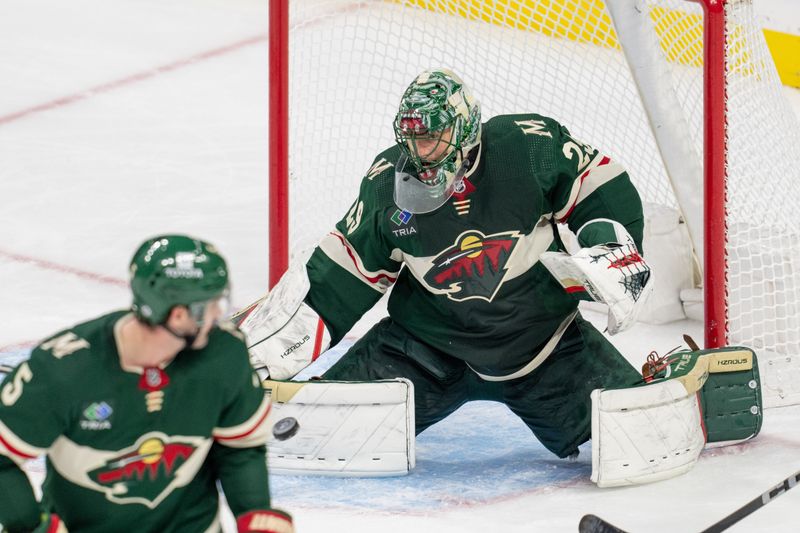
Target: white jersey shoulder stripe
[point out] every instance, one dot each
(341, 252)
(600, 171)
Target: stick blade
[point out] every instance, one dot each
(594, 524)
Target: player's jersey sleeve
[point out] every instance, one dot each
(242, 422)
(30, 421)
(355, 264)
(237, 455)
(588, 185)
(243, 475)
(19, 510)
(30, 414)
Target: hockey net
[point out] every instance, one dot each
(349, 62)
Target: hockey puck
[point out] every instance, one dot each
(285, 428)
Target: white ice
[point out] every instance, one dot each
(90, 167)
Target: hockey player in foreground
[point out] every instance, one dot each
(460, 219)
(141, 412)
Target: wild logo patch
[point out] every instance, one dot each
(148, 471)
(474, 267)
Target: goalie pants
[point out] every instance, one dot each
(553, 400)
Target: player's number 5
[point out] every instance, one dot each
(12, 391)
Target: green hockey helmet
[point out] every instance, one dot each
(437, 125)
(171, 270)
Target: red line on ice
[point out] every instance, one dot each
(130, 80)
(49, 265)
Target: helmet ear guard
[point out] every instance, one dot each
(175, 270)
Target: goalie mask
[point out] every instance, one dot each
(438, 124)
(172, 270)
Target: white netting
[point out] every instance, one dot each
(351, 60)
(763, 181)
(762, 194)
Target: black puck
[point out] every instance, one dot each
(285, 428)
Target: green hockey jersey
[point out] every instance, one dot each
(134, 449)
(466, 277)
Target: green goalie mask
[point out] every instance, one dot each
(173, 270)
(438, 124)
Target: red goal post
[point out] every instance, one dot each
(682, 92)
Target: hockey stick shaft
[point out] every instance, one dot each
(594, 524)
(755, 504)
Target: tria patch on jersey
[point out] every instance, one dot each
(96, 416)
(147, 472)
(405, 223)
(474, 267)
(400, 217)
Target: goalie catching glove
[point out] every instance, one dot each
(284, 334)
(613, 273)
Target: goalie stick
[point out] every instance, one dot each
(593, 524)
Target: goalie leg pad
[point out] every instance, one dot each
(345, 428)
(657, 430)
(731, 396)
(729, 385)
(644, 434)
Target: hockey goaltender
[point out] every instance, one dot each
(460, 219)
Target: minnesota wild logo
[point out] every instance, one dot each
(474, 267)
(148, 471)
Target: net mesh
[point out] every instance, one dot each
(351, 60)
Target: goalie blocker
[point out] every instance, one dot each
(282, 319)
(690, 399)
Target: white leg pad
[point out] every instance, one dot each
(346, 428)
(644, 434)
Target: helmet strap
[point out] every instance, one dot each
(187, 338)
